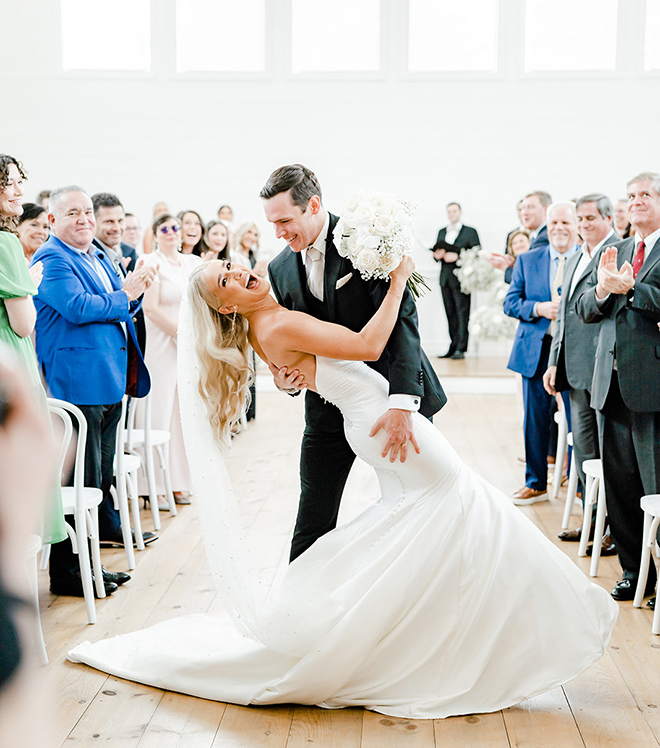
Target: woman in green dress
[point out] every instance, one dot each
(17, 314)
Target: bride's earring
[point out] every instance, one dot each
(233, 323)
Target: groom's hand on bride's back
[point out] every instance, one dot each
(292, 382)
(398, 425)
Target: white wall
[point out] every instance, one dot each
(201, 141)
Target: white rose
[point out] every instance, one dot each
(353, 201)
(367, 261)
(390, 261)
(364, 212)
(383, 224)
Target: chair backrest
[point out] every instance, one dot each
(65, 410)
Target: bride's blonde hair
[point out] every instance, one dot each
(225, 360)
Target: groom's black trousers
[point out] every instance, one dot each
(325, 462)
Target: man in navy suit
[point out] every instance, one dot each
(309, 275)
(533, 217)
(533, 298)
(88, 354)
(449, 245)
(110, 222)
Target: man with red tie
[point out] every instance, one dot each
(624, 293)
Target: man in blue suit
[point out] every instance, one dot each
(533, 298)
(533, 217)
(88, 354)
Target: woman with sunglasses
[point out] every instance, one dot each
(161, 309)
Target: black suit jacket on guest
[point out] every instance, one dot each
(628, 334)
(574, 344)
(352, 305)
(466, 239)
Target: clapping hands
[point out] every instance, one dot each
(612, 279)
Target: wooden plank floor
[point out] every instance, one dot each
(615, 703)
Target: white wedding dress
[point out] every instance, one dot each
(440, 599)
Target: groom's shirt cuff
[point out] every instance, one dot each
(405, 402)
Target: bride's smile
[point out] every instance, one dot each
(233, 284)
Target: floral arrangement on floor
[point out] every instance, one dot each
(488, 321)
(374, 232)
(474, 272)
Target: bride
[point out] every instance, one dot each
(440, 599)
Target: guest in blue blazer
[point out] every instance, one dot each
(533, 299)
(88, 354)
(533, 217)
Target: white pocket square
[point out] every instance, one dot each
(343, 281)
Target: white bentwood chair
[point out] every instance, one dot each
(82, 502)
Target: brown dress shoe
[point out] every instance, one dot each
(573, 536)
(526, 495)
(607, 547)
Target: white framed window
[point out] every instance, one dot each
(335, 36)
(450, 36)
(99, 35)
(220, 36)
(570, 35)
(652, 35)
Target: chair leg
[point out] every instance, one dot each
(570, 494)
(151, 482)
(644, 563)
(45, 557)
(121, 500)
(134, 497)
(599, 529)
(164, 457)
(85, 567)
(93, 533)
(586, 518)
(39, 643)
(559, 459)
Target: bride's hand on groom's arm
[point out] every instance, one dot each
(398, 425)
(292, 382)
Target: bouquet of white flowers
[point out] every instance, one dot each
(474, 272)
(374, 233)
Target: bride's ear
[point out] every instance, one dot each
(228, 309)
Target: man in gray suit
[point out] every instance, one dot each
(573, 351)
(624, 294)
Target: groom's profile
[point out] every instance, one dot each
(310, 276)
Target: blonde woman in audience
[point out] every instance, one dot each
(217, 241)
(33, 229)
(159, 210)
(192, 233)
(161, 309)
(246, 249)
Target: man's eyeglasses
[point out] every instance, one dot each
(167, 229)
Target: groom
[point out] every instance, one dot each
(310, 276)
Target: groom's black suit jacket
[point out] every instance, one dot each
(403, 362)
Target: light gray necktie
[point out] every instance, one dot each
(314, 270)
(554, 291)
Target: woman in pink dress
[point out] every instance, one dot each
(161, 309)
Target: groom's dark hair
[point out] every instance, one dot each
(300, 180)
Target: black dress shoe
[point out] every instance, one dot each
(71, 586)
(117, 540)
(651, 604)
(458, 356)
(115, 577)
(449, 353)
(625, 589)
(607, 547)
